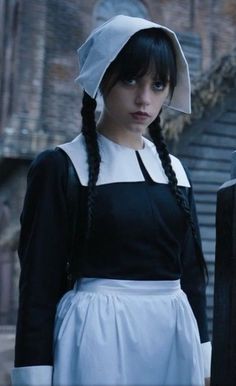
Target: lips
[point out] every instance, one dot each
(140, 115)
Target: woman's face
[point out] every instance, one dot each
(133, 104)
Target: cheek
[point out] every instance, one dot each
(166, 95)
(113, 107)
(159, 101)
(156, 114)
(114, 102)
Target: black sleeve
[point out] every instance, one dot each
(42, 251)
(193, 281)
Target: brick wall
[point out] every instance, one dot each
(214, 21)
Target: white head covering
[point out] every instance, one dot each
(106, 41)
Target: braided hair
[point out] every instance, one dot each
(155, 132)
(93, 156)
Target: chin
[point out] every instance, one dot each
(138, 129)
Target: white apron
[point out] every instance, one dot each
(126, 333)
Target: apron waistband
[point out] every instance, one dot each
(134, 287)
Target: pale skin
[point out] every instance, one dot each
(119, 121)
(142, 95)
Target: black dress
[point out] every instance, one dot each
(136, 217)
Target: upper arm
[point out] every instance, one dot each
(193, 280)
(42, 252)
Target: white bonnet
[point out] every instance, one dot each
(99, 50)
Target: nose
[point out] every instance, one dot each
(143, 96)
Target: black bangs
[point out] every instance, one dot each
(149, 50)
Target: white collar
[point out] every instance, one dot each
(120, 164)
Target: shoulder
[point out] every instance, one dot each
(183, 166)
(49, 162)
(50, 157)
(179, 168)
(177, 162)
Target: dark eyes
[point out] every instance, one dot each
(157, 86)
(129, 82)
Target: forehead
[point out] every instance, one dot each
(152, 72)
(141, 63)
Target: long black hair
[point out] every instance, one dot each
(149, 48)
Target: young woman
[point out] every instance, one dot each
(137, 312)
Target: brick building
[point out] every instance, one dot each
(39, 101)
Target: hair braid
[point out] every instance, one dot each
(156, 134)
(93, 156)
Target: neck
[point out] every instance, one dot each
(121, 136)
